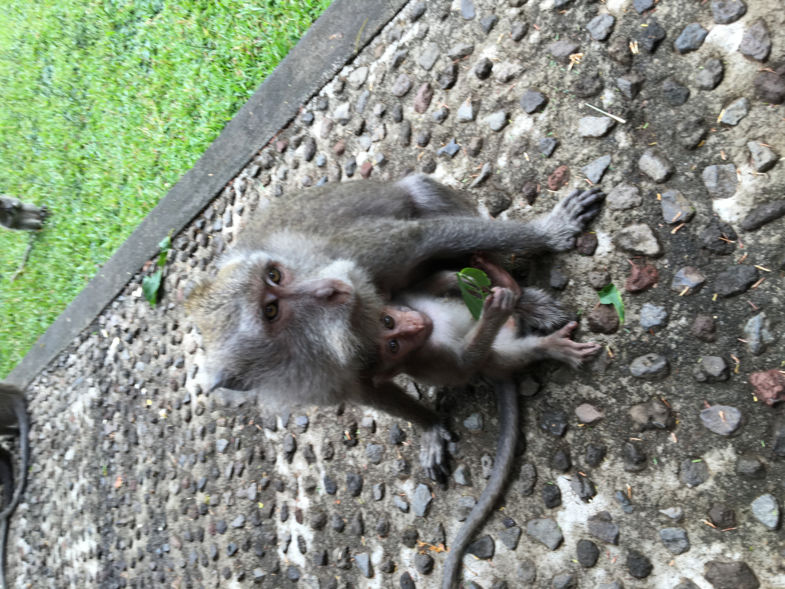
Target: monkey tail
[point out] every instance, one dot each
(507, 407)
(24, 459)
(7, 478)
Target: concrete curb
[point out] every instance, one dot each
(334, 39)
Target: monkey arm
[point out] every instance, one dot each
(497, 308)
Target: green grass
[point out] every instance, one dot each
(105, 104)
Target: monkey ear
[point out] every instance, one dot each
(194, 291)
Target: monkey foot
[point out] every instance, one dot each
(571, 216)
(560, 347)
(433, 452)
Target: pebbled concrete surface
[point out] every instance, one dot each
(660, 465)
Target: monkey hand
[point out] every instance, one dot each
(433, 452)
(498, 275)
(499, 305)
(570, 217)
(559, 346)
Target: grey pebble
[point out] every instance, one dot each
(675, 540)
(763, 214)
(676, 208)
(735, 112)
(363, 562)
(758, 333)
(497, 120)
(710, 74)
(691, 38)
(533, 101)
(727, 11)
(767, 511)
(711, 369)
(450, 150)
(594, 126)
(652, 316)
(649, 366)
(623, 196)
(421, 499)
(693, 472)
(587, 553)
(675, 93)
(721, 419)
(547, 146)
(595, 170)
(601, 526)
(510, 537)
(545, 530)
(756, 42)
(638, 239)
(735, 280)
(483, 547)
(655, 165)
(642, 6)
(562, 49)
(474, 422)
(720, 180)
(601, 26)
(428, 56)
(467, 112)
(763, 159)
(630, 84)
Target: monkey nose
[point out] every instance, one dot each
(330, 290)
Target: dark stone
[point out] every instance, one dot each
(650, 36)
(710, 75)
(727, 11)
(518, 30)
(587, 552)
(561, 460)
(719, 238)
(533, 101)
(770, 86)
(693, 472)
(488, 22)
(562, 49)
(630, 84)
(756, 43)
(583, 487)
(634, 457)
(558, 178)
(735, 280)
(547, 145)
(595, 454)
(620, 52)
(641, 278)
(638, 565)
(601, 526)
(690, 131)
(423, 563)
(554, 422)
(730, 575)
(447, 77)
(674, 93)
(601, 26)
(586, 244)
(551, 496)
(483, 68)
(603, 319)
(642, 6)
(587, 85)
(691, 38)
(762, 214)
(750, 466)
(703, 328)
(483, 547)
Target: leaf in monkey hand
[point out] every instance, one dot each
(475, 286)
(610, 295)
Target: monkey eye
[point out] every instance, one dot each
(274, 274)
(270, 311)
(394, 346)
(388, 322)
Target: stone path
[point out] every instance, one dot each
(660, 465)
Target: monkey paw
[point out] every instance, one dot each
(433, 452)
(571, 216)
(560, 347)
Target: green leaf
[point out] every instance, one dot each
(474, 285)
(165, 245)
(150, 286)
(610, 295)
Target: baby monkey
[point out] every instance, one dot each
(429, 334)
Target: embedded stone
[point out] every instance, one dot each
(650, 36)
(533, 101)
(655, 165)
(623, 196)
(630, 84)
(735, 280)
(601, 26)
(735, 112)
(638, 239)
(763, 157)
(546, 531)
(652, 316)
(693, 472)
(769, 385)
(595, 126)
(756, 42)
(562, 49)
(710, 74)
(766, 510)
(762, 214)
(675, 540)
(758, 334)
(649, 366)
(721, 419)
(675, 93)
(711, 369)
(727, 11)
(690, 39)
(675, 207)
(730, 575)
(720, 180)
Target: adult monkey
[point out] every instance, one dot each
(13, 421)
(293, 312)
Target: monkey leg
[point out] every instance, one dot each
(538, 311)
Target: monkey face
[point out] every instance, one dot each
(284, 325)
(404, 331)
